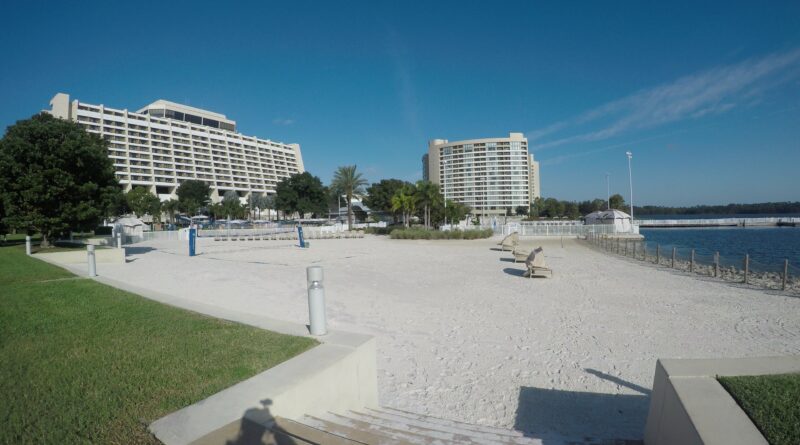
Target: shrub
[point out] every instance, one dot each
(439, 235)
(103, 230)
(379, 230)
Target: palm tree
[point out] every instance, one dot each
(429, 197)
(405, 200)
(170, 207)
(348, 182)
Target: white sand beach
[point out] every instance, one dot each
(461, 335)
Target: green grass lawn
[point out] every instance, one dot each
(772, 402)
(82, 362)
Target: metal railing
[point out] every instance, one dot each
(780, 276)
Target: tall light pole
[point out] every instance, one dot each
(630, 180)
(444, 190)
(608, 191)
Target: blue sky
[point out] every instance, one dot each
(706, 96)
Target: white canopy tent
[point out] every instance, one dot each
(621, 220)
(128, 227)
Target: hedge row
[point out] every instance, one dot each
(438, 234)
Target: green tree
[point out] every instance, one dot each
(347, 181)
(302, 193)
(171, 207)
(55, 177)
(142, 202)
(3, 226)
(267, 203)
(571, 210)
(521, 211)
(537, 207)
(428, 197)
(455, 211)
(217, 210)
(193, 195)
(553, 208)
(232, 206)
(379, 195)
(617, 201)
(405, 201)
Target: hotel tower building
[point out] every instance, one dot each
(489, 175)
(164, 144)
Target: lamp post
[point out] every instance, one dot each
(630, 180)
(444, 190)
(608, 191)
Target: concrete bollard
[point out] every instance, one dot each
(28, 245)
(91, 260)
(192, 241)
(119, 240)
(317, 324)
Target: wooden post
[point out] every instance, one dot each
(746, 266)
(658, 253)
(785, 273)
(673, 257)
(716, 264)
(691, 263)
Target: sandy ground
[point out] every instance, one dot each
(462, 335)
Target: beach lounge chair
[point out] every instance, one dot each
(520, 254)
(535, 263)
(509, 241)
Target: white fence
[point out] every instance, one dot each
(558, 229)
(309, 232)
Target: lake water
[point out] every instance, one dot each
(768, 246)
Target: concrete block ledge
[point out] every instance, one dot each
(689, 406)
(108, 256)
(329, 377)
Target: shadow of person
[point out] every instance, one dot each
(255, 427)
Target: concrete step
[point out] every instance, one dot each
(360, 433)
(432, 420)
(469, 434)
(288, 431)
(417, 437)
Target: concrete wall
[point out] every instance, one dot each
(111, 256)
(337, 375)
(689, 406)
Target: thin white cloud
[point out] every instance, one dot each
(691, 97)
(403, 67)
(282, 121)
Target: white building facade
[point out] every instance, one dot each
(164, 144)
(489, 175)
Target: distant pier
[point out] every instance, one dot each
(719, 222)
